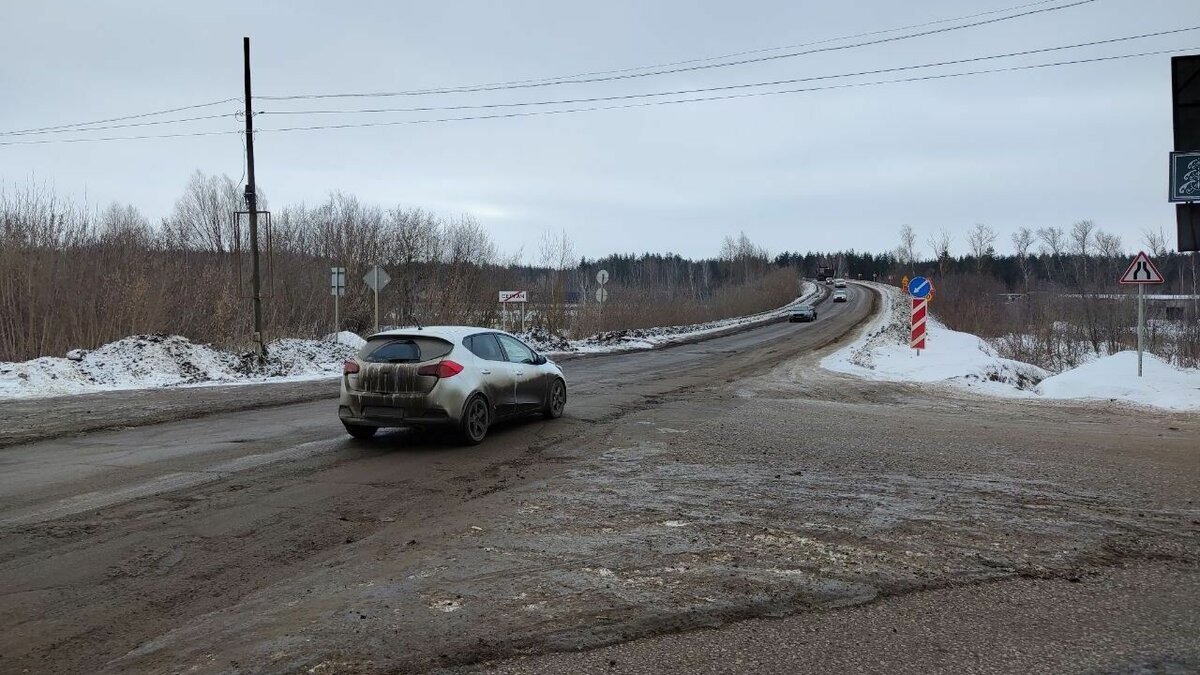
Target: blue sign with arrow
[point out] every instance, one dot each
(919, 287)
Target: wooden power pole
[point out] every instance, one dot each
(252, 207)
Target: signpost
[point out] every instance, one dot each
(520, 297)
(377, 279)
(1141, 272)
(602, 292)
(919, 288)
(337, 287)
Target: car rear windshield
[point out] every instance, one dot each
(403, 349)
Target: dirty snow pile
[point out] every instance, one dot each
(1114, 378)
(145, 361)
(965, 360)
(649, 338)
(961, 359)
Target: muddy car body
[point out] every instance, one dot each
(456, 377)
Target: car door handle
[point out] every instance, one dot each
(520, 373)
(486, 372)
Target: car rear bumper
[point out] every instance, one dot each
(394, 417)
(388, 410)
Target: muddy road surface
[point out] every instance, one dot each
(114, 537)
(703, 486)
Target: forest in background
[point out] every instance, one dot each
(74, 276)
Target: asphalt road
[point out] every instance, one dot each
(111, 539)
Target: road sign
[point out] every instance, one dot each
(920, 312)
(1142, 271)
(376, 278)
(514, 296)
(602, 295)
(919, 287)
(337, 281)
(1185, 177)
(602, 277)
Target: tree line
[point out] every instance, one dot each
(73, 276)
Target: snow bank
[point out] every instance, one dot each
(965, 360)
(961, 359)
(1114, 378)
(649, 338)
(145, 361)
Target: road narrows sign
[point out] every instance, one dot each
(1142, 271)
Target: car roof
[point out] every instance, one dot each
(451, 333)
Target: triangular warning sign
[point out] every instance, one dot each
(1142, 271)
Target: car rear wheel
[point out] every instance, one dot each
(360, 431)
(476, 420)
(556, 401)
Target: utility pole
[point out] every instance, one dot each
(252, 207)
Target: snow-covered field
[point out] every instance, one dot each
(967, 361)
(146, 361)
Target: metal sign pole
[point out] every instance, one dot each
(336, 323)
(376, 284)
(1141, 323)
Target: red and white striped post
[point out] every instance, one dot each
(920, 309)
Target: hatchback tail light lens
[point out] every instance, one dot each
(350, 367)
(442, 369)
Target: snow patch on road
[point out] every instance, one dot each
(960, 359)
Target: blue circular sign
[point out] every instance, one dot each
(919, 287)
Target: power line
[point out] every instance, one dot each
(118, 126)
(625, 76)
(16, 132)
(772, 49)
(723, 97)
(119, 138)
(726, 97)
(620, 97)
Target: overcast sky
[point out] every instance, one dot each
(831, 169)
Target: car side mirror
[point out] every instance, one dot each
(539, 360)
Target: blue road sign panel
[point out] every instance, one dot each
(1185, 177)
(919, 287)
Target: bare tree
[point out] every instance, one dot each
(906, 252)
(982, 242)
(1156, 242)
(1054, 244)
(1022, 241)
(940, 243)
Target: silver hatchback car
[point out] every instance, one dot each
(459, 377)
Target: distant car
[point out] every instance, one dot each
(828, 280)
(456, 377)
(839, 283)
(839, 296)
(802, 313)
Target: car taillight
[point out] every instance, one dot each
(350, 367)
(441, 369)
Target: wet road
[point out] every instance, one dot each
(112, 538)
